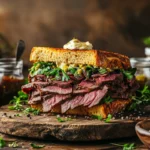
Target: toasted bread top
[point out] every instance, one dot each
(97, 58)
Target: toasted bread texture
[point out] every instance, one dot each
(97, 58)
(103, 110)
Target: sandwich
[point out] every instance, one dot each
(77, 81)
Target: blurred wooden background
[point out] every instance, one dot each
(113, 25)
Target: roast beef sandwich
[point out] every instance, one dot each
(78, 80)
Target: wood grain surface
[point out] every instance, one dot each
(47, 127)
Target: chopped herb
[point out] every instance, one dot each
(2, 142)
(98, 117)
(126, 146)
(65, 77)
(107, 100)
(109, 117)
(32, 110)
(102, 71)
(13, 144)
(60, 119)
(129, 74)
(142, 97)
(36, 146)
(17, 101)
(72, 70)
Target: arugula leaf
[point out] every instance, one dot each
(13, 144)
(60, 119)
(98, 117)
(102, 71)
(32, 110)
(142, 97)
(126, 146)
(36, 146)
(17, 101)
(2, 142)
(109, 117)
(65, 77)
(146, 41)
(107, 100)
(72, 70)
(129, 74)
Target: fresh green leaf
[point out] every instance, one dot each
(13, 145)
(32, 110)
(98, 117)
(142, 97)
(107, 100)
(65, 77)
(2, 142)
(102, 71)
(146, 41)
(129, 74)
(60, 119)
(126, 146)
(109, 117)
(37, 146)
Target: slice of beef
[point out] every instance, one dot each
(108, 78)
(27, 88)
(54, 100)
(99, 95)
(56, 89)
(62, 83)
(88, 84)
(80, 91)
(88, 98)
(76, 101)
(65, 106)
(35, 100)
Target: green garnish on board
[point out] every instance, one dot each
(2, 142)
(18, 103)
(126, 146)
(142, 97)
(37, 146)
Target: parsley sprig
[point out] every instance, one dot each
(18, 101)
(127, 146)
(142, 97)
(37, 146)
(129, 74)
(61, 119)
(2, 142)
(18, 104)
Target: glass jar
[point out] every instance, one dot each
(143, 70)
(11, 79)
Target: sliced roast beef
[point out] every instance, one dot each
(76, 101)
(27, 88)
(88, 98)
(35, 100)
(56, 89)
(108, 78)
(54, 100)
(62, 84)
(99, 95)
(88, 84)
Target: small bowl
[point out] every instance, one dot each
(143, 131)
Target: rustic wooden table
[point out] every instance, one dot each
(24, 144)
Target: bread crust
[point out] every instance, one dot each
(103, 110)
(97, 58)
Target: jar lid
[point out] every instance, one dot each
(147, 51)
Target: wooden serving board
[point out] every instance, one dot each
(47, 127)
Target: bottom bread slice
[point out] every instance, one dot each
(102, 109)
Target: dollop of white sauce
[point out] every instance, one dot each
(76, 44)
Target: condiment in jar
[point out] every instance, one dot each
(11, 79)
